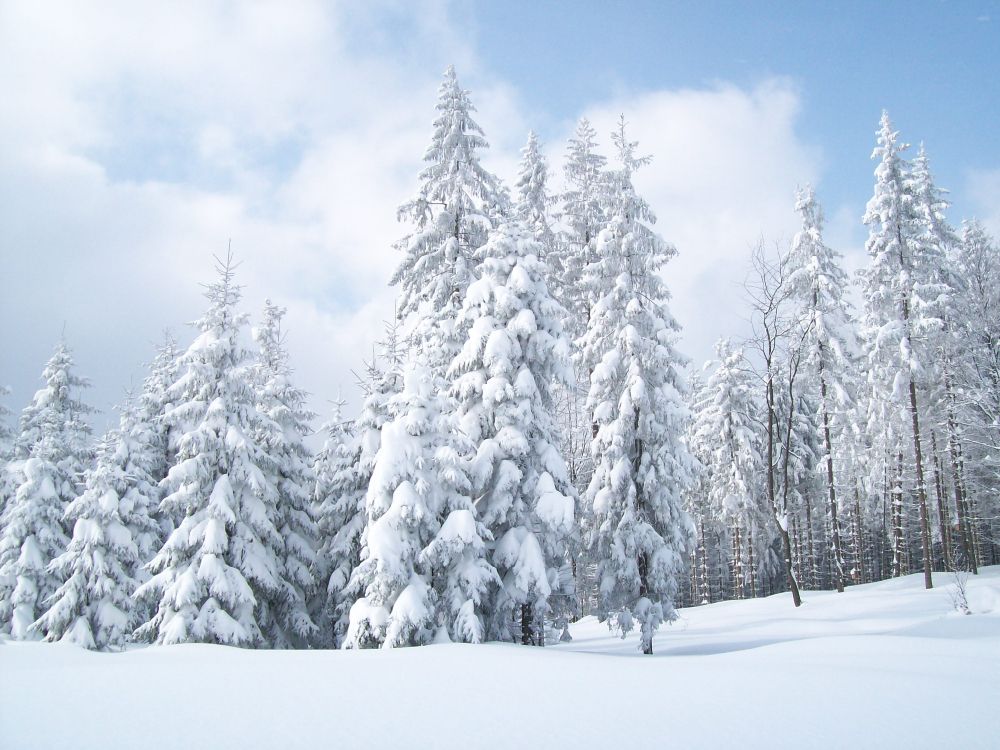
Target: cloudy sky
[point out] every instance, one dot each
(138, 139)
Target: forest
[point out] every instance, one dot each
(532, 446)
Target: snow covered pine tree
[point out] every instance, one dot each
(641, 532)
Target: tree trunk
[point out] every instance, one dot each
(527, 625)
(859, 539)
(925, 527)
(737, 564)
(780, 518)
(942, 507)
(898, 565)
(838, 555)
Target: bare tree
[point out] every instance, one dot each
(778, 341)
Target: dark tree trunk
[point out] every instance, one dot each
(838, 554)
(527, 625)
(944, 524)
(925, 527)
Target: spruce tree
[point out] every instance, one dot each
(585, 206)
(395, 601)
(821, 288)
(726, 433)
(534, 204)
(219, 574)
(899, 309)
(343, 471)
(641, 533)
(113, 535)
(6, 453)
(50, 454)
(503, 382)
(282, 435)
(457, 204)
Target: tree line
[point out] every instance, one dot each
(531, 444)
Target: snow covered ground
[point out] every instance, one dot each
(883, 665)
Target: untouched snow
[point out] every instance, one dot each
(882, 665)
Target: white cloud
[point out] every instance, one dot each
(726, 163)
(140, 138)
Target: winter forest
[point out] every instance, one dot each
(532, 447)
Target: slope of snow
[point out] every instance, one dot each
(882, 665)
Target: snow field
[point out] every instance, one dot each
(882, 665)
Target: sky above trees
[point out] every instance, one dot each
(139, 140)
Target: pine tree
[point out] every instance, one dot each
(899, 307)
(51, 452)
(821, 287)
(343, 473)
(458, 202)
(503, 382)
(113, 534)
(726, 434)
(534, 203)
(159, 438)
(641, 533)
(219, 575)
(976, 415)
(585, 213)
(6, 453)
(339, 501)
(282, 435)
(395, 601)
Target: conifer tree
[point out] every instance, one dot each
(52, 450)
(503, 381)
(585, 213)
(641, 532)
(731, 452)
(458, 202)
(534, 203)
(113, 534)
(343, 471)
(219, 574)
(899, 308)
(415, 480)
(821, 287)
(6, 453)
(338, 497)
(282, 435)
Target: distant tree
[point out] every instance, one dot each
(219, 573)
(51, 452)
(282, 434)
(821, 288)
(900, 306)
(113, 534)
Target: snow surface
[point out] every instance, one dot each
(882, 665)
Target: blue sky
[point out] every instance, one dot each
(934, 65)
(140, 138)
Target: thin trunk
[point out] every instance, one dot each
(925, 527)
(811, 544)
(897, 519)
(780, 518)
(737, 564)
(838, 554)
(859, 540)
(944, 525)
(706, 584)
